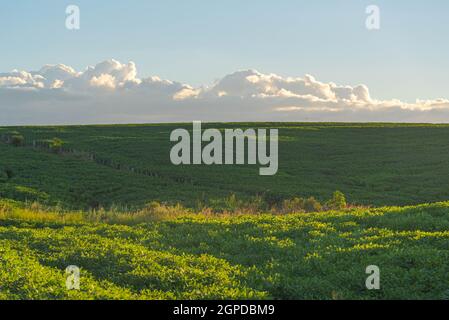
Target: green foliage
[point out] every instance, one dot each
(295, 205)
(17, 140)
(128, 217)
(373, 164)
(338, 201)
(312, 205)
(298, 256)
(56, 145)
(298, 205)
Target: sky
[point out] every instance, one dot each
(199, 43)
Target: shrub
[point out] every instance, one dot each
(56, 145)
(228, 204)
(337, 202)
(255, 205)
(232, 203)
(17, 140)
(273, 199)
(312, 205)
(294, 205)
(297, 205)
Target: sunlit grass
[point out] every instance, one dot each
(166, 252)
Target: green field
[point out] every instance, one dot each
(298, 256)
(78, 206)
(376, 164)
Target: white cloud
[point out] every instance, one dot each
(112, 92)
(21, 79)
(186, 93)
(103, 81)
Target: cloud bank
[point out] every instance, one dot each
(111, 92)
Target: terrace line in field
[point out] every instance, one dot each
(212, 153)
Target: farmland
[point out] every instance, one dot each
(383, 164)
(80, 196)
(314, 256)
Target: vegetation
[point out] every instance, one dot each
(17, 140)
(56, 145)
(198, 256)
(107, 199)
(338, 201)
(375, 164)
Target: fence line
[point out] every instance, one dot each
(90, 156)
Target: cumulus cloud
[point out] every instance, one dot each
(112, 92)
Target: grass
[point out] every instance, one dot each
(107, 199)
(375, 164)
(294, 256)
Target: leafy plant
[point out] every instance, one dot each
(312, 205)
(191, 256)
(338, 201)
(56, 145)
(17, 140)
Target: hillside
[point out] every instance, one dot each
(297, 256)
(373, 164)
(107, 199)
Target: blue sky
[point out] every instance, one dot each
(199, 41)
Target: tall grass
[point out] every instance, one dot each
(156, 211)
(36, 212)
